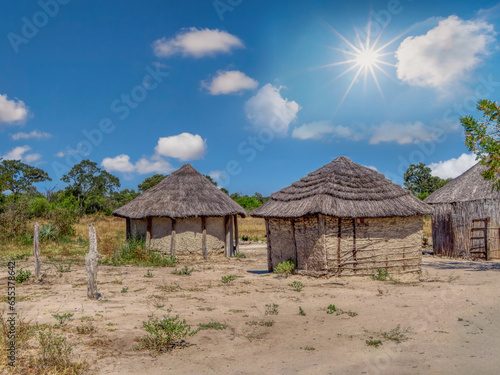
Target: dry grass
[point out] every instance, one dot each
(252, 227)
(427, 226)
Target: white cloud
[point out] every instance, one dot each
(122, 163)
(197, 43)
(34, 134)
(453, 167)
(227, 82)
(445, 54)
(372, 168)
(320, 129)
(184, 146)
(403, 133)
(268, 109)
(20, 153)
(12, 110)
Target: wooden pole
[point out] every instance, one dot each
(322, 236)
(204, 237)
(295, 244)
(354, 254)
(36, 252)
(172, 242)
(227, 246)
(231, 236)
(149, 224)
(486, 239)
(339, 236)
(91, 263)
(236, 236)
(128, 234)
(269, 247)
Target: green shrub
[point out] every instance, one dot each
(301, 311)
(39, 207)
(228, 279)
(183, 271)
(61, 318)
(331, 309)
(48, 232)
(297, 286)
(56, 352)
(22, 275)
(272, 309)
(375, 343)
(164, 334)
(382, 274)
(285, 268)
(212, 325)
(239, 255)
(63, 220)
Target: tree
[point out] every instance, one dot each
(149, 182)
(248, 203)
(211, 179)
(419, 180)
(483, 138)
(19, 177)
(86, 179)
(224, 190)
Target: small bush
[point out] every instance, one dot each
(22, 275)
(301, 311)
(183, 271)
(382, 274)
(55, 356)
(124, 290)
(375, 343)
(212, 325)
(48, 232)
(239, 255)
(61, 318)
(272, 309)
(149, 274)
(397, 334)
(165, 333)
(228, 279)
(297, 286)
(85, 330)
(263, 323)
(285, 268)
(331, 309)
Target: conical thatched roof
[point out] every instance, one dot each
(184, 193)
(469, 186)
(343, 188)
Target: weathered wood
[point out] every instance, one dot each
(486, 239)
(228, 248)
(354, 254)
(149, 224)
(269, 247)
(204, 237)
(322, 236)
(236, 235)
(295, 245)
(91, 264)
(36, 252)
(128, 234)
(172, 241)
(231, 236)
(339, 236)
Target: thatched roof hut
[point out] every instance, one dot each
(466, 217)
(185, 205)
(344, 218)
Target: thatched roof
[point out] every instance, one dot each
(184, 193)
(469, 186)
(343, 188)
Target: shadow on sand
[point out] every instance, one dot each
(445, 264)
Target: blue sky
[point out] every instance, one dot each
(251, 92)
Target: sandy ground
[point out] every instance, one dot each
(451, 317)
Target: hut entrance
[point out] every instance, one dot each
(481, 237)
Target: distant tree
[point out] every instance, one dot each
(149, 182)
(224, 190)
(235, 196)
(419, 180)
(483, 138)
(87, 180)
(248, 203)
(123, 197)
(19, 177)
(261, 198)
(211, 179)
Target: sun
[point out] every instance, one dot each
(363, 58)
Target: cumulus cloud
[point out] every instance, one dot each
(34, 134)
(227, 82)
(453, 167)
(445, 54)
(268, 109)
(320, 129)
(197, 43)
(122, 163)
(184, 146)
(403, 133)
(21, 153)
(12, 110)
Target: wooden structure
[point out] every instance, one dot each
(344, 219)
(185, 214)
(466, 217)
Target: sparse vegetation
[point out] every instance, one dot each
(374, 343)
(301, 311)
(382, 274)
(331, 309)
(149, 274)
(262, 323)
(228, 279)
(22, 275)
(212, 325)
(186, 271)
(61, 318)
(296, 285)
(85, 330)
(55, 355)
(272, 309)
(285, 268)
(239, 255)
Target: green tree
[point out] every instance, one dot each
(87, 180)
(483, 138)
(149, 182)
(19, 177)
(419, 180)
(224, 190)
(211, 179)
(248, 203)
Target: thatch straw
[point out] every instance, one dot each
(184, 193)
(469, 186)
(343, 188)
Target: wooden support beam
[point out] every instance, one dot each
(322, 235)
(486, 239)
(172, 242)
(231, 236)
(354, 253)
(91, 264)
(236, 235)
(227, 231)
(204, 236)
(149, 224)
(269, 247)
(339, 236)
(295, 244)
(128, 234)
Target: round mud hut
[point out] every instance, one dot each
(466, 217)
(344, 219)
(185, 214)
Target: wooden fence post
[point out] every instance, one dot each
(204, 237)
(36, 251)
(91, 263)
